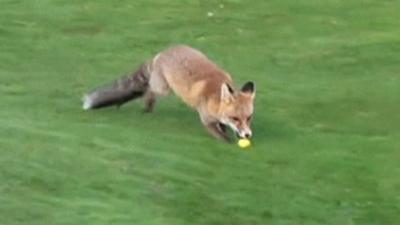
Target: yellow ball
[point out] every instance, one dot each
(244, 143)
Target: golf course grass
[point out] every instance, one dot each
(326, 128)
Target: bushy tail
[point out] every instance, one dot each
(119, 92)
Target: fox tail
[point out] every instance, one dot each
(119, 91)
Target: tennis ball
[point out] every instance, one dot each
(244, 143)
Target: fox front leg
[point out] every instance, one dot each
(215, 129)
(222, 127)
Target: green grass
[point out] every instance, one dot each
(326, 145)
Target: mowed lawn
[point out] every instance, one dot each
(326, 128)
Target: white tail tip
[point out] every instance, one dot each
(87, 102)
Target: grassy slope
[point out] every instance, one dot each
(326, 128)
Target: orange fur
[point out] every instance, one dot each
(200, 84)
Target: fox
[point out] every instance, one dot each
(195, 79)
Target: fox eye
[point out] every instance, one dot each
(249, 118)
(236, 119)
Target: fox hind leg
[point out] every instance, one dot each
(158, 87)
(149, 101)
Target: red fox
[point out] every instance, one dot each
(194, 78)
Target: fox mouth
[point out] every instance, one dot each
(237, 134)
(224, 127)
(244, 135)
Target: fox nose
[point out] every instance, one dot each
(247, 135)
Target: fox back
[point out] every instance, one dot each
(189, 73)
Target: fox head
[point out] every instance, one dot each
(236, 108)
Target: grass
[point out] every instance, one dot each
(326, 145)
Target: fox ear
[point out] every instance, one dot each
(249, 88)
(226, 93)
